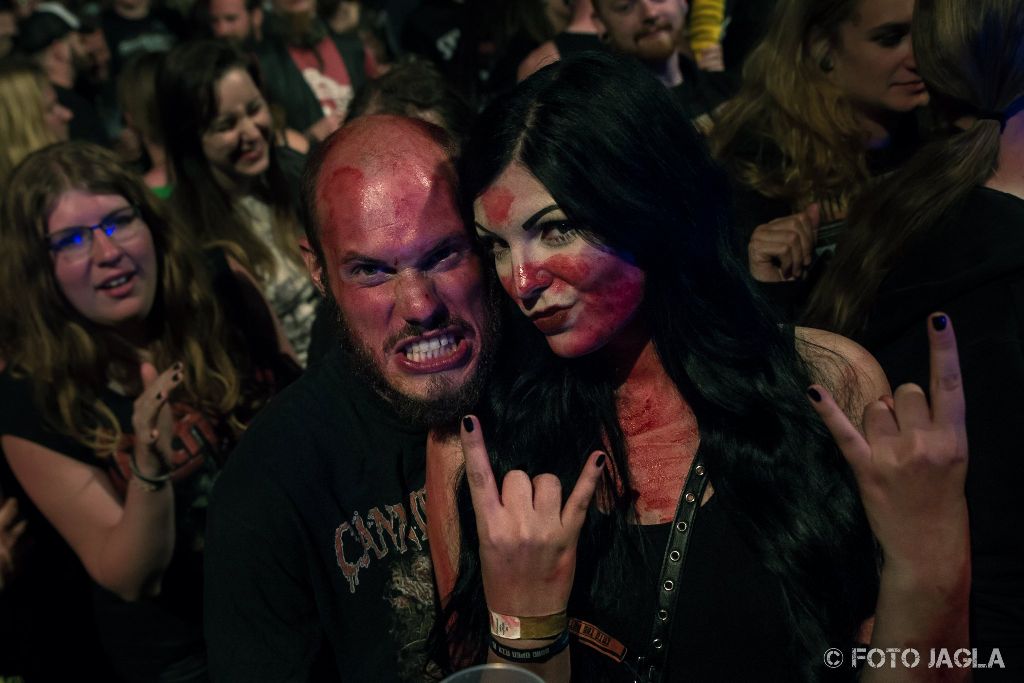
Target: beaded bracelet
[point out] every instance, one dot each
(536, 656)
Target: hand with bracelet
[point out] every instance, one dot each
(153, 424)
(527, 550)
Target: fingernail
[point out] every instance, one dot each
(160, 396)
(939, 322)
(177, 366)
(154, 435)
(600, 461)
(814, 394)
(176, 376)
(467, 424)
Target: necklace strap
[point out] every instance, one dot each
(652, 666)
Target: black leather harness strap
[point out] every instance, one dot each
(651, 667)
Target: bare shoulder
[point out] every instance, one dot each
(844, 366)
(546, 53)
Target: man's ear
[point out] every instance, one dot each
(313, 265)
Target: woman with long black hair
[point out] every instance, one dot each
(727, 540)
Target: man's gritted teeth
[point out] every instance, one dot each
(434, 351)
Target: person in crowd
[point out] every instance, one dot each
(49, 36)
(31, 117)
(826, 104)
(318, 564)
(652, 32)
(131, 373)
(238, 20)
(309, 71)
(416, 89)
(511, 30)
(579, 36)
(133, 26)
(232, 183)
(944, 232)
(136, 92)
(654, 375)
(369, 23)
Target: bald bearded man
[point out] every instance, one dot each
(317, 560)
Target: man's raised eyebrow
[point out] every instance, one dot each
(532, 220)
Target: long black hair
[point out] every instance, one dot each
(188, 104)
(616, 153)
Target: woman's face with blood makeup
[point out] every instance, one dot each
(581, 295)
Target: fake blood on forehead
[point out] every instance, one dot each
(340, 190)
(497, 203)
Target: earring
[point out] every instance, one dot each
(826, 64)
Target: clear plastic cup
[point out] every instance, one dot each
(494, 673)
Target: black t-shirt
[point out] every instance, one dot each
(158, 31)
(731, 621)
(317, 563)
(163, 635)
(150, 635)
(972, 268)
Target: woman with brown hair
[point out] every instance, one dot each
(945, 232)
(234, 187)
(823, 108)
(128, 381)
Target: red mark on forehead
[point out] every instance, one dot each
(497, 201)
(339, 194)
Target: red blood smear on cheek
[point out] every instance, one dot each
(497, 203)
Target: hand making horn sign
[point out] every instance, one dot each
(911, 465)
(527, 547)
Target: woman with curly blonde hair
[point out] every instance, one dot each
(823, 107)
(128, 381)
(30, 115)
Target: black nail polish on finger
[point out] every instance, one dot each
(176, 377)
(177, 366)
(814, 394)
(160, 396)
(467, 424)
(939, 322)
(600, 461)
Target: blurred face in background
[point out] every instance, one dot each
(237, 141)
(232, 19)
(649, 30)
(873, 63)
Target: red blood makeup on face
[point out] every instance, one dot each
(581, 295)
(397, 257)
(496, 202)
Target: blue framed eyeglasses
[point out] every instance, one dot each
(75, 243)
